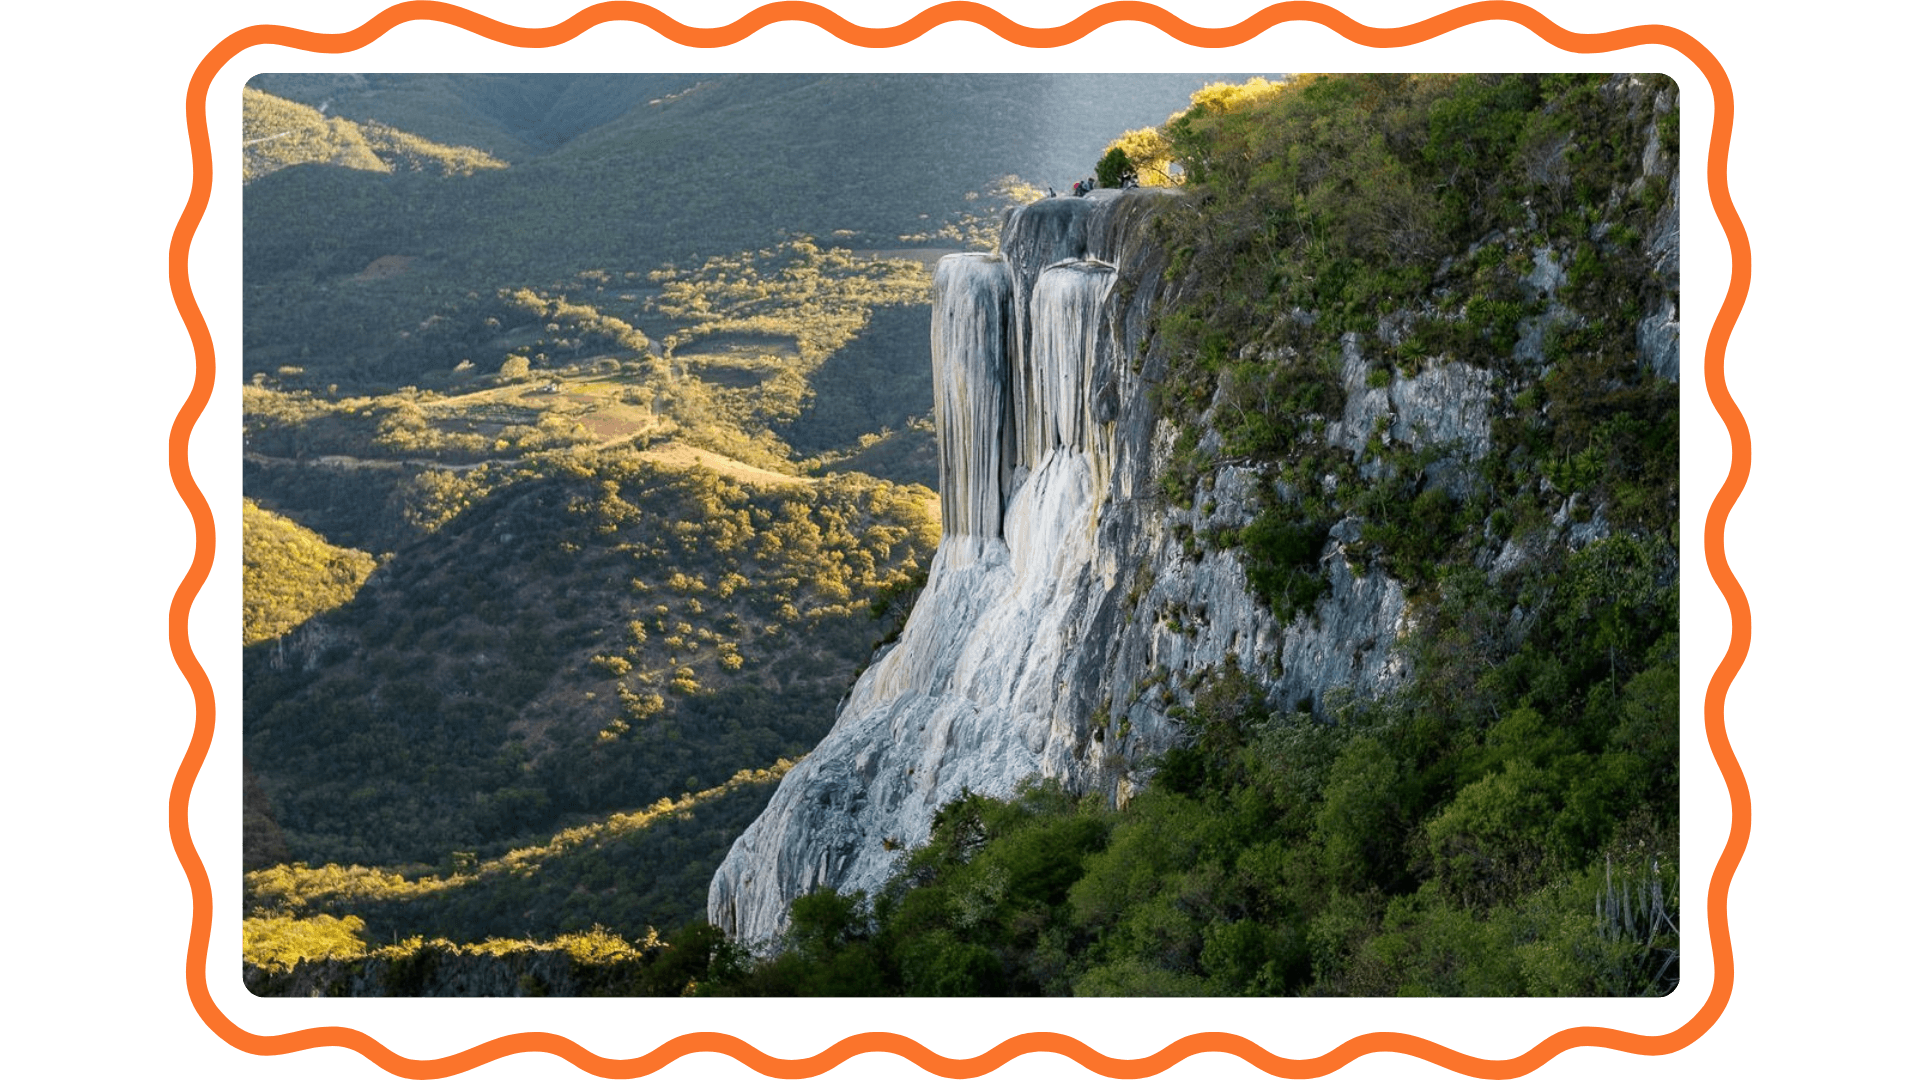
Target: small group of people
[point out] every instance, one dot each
(1082, 188)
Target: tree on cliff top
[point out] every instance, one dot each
(1114, 169)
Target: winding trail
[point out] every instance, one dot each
(673, 454)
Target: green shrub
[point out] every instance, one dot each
(1114, 169)
(1282, 557)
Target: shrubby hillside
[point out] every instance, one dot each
(291, 574)
(597, 629)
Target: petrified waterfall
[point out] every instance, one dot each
(989, 445)
(968, 699)
(1065, 320)
(972, 328)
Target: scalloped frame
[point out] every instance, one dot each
(963, 11)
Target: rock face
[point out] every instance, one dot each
(1067, 613)
(1658, 335)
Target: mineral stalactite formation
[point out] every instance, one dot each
(972, 328)
(1066, 324)
(1037, 236)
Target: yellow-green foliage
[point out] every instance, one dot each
(1150, 155)
(278, 942)
(403, 152)
(528, 860)
(977, 225)
(276, 133)
(290, 574)
(817, 297)
(744, 336)
(796, 304)
(411, 424)
(577, 322)
(290, 888)
(437, 496)
(815, 543)
(763, 582)
(595, 946)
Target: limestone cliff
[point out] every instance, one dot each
(1066, 612)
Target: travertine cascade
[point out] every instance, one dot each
(972, 331)
(1066, 322)
(969, 698)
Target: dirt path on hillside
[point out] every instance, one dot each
(680, 455)
(671, 454)
(349, 462)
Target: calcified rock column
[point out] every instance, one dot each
(972, 308)
(1066, 327)
(1037, 236)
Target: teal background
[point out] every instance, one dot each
(98, 715)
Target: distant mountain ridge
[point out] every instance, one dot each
(514, 116)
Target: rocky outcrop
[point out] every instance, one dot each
(1444, 405)
(1658, 334)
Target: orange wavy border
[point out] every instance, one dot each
(1030, 37)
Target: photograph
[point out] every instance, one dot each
(960, 535)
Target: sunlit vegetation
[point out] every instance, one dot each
(753, 331)
(276, 133)
(746, 338)
(290, 574)
(589, 963)
(817, 298)
(276, 943)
